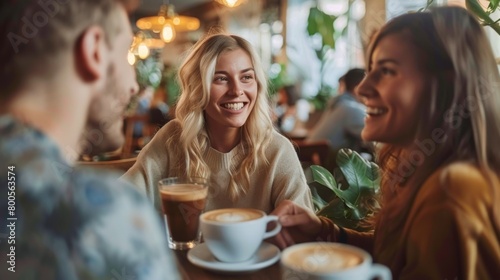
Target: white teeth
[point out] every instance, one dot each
(233, 106)
(375, 111)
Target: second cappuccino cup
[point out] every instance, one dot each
(330, 261)
(235, 234)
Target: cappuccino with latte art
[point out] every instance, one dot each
(235, 234)
(330, 261)
(233, 215)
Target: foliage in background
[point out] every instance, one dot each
(348, 196)
(171, 86)
(321, 99)
(148, 72)
(320, 24)
(278, 78)
(484, 16)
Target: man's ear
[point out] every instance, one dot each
(91, 54)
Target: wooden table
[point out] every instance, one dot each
(192, 272)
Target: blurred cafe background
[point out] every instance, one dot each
(306, 45)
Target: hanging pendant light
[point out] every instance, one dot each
(131, 58)
(168, 23)
(230, 3)
(142, 46)
(167, 33)
(143, 50)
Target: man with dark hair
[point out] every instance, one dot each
(351, 80)
(65, 83)
(343, 119)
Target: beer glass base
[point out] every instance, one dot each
(175, 245)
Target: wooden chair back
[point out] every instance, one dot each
(317, 152)
(131, 142)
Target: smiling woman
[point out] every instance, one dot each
(223, 132)
(232, 98)
(432, 93)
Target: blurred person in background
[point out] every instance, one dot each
(292, 111)
(143, 106)
(65, 85)
(343, 119)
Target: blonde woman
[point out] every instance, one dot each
(432, 95)
(223, 132)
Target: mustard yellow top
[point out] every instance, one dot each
(449, 232)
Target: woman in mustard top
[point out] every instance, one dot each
(432, 94)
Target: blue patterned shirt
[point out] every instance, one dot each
(62, 222)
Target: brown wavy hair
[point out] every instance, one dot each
(463, 101)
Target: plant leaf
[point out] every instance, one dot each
(323, 176)
(352, 188)
(361, 176)
(341, 215)
(493, 5)
(483, 16)
(318, 202)
(319, 22)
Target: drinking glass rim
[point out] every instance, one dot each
(190, 180)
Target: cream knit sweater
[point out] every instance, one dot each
(270, 184)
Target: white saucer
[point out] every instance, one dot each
(266, 255)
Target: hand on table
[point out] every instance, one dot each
(298, 224)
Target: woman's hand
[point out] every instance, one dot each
(298, 224)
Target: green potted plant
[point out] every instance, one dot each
(484, 16)
(348, 196)
(320, 24)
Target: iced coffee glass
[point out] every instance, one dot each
(183, 201)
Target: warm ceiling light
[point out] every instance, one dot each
(131, 58)
(142, 46)
(167, 33)
(143, 50)
(230, 3)
(153, 43)
(167, 16)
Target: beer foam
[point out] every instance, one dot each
(232, 215)
(325, 259)
(184, 192)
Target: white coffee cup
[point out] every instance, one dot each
(235, 234)
(330, 261)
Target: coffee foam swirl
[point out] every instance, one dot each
(317, 259)
(232, 215)
(184, 192)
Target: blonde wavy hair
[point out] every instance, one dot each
(195, 76)
(463, 103)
